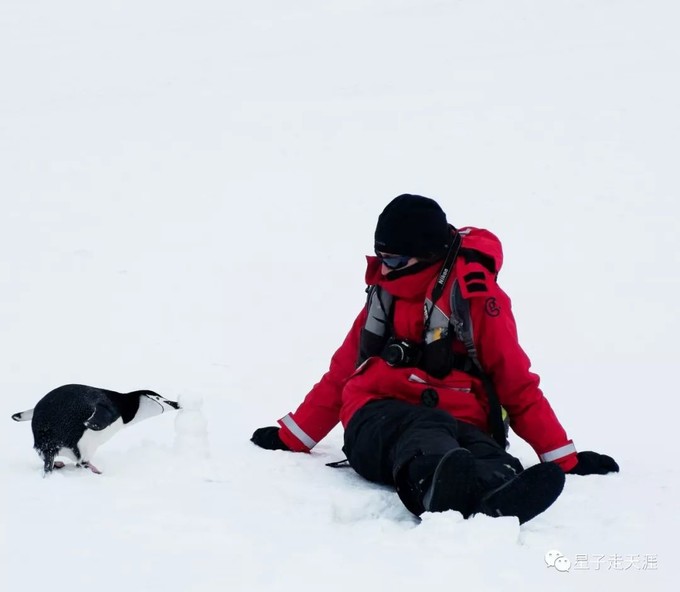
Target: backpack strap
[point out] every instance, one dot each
(378, 327)
(461, 322)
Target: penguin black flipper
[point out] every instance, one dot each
(103, 416)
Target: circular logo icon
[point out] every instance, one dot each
(491, 307)
(562, 564)
(556, 559)
(552, 556)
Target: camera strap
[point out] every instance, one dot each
(444, 274)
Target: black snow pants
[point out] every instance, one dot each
(397, 443)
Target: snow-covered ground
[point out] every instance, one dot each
(188, 191)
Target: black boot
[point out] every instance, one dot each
(453, 484)
(435, 483)
(533, 491)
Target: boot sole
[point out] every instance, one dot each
(453, 484)
(526, 496)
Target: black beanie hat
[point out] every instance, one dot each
(412, 225)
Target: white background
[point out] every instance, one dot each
(188, 191)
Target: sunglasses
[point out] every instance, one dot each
(393, 261)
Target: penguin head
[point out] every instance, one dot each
(162, 401)
(151, 404)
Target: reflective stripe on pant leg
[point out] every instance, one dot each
(297, 431)
(558, 453)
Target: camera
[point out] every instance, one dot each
(401, 353)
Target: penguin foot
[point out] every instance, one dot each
(92, 468)
(83, 464)
(58, 464)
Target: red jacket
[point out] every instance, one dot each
(345, 388)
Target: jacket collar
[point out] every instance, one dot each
(413, 286)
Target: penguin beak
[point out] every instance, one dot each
(173, 404)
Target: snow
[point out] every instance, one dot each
(188, 191)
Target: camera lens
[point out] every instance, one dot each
(394, 354)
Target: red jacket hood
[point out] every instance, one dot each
(484, 241)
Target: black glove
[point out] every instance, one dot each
(268, 438)
(592, 463)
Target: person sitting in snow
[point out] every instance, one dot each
(430, 375)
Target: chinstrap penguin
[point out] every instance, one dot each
(74, 420)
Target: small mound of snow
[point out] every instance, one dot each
(191, 428)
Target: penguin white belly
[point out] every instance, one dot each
(67, 453)
(93, 439)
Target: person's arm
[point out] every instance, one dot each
(531, 416)
(319, 413)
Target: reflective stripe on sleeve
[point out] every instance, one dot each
(558, 452)
(297, 431)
